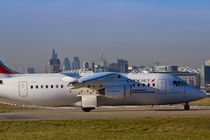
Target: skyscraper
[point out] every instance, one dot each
(102, 61)
(205, 76)
(29, 70)
(76, 63)
(54, 63)
(122, 65)
(66, 64)
(85, 65)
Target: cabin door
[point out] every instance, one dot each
(162, 86)
(127, 91)
(23, 89)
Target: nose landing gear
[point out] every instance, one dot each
(186, 107)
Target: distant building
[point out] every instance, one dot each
(165, 69)
(192, 79)
(207, 63)
(76, 63)
(66, 65)
(92, 65)
(205, 76)
(85, 65)
(21, 68)
(102, 60)
(132, 68)
(122, 65)
(113, 67)
(29, 70)
(54, 63)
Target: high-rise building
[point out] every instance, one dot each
(30, 70)
(93, 65)
(85, 65)
(122, 65)
(76, 63)
(113, 67)
(205, 76)
(102, 60)
(66, 64)
(54, 63)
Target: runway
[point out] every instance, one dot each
(104, 113)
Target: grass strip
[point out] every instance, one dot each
(163, 128)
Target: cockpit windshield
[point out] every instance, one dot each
(179, 83)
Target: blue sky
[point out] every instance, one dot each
(142, 31)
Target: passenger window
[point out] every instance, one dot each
(42, 86)
(37, 86)
(148, 84)
(1, 82)
(46, 86)
(32, 87)
(51, 86)
(153, 84)
(143, 85)
(61, 86)
(56, 86)
(138, 85)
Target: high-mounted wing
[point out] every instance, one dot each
(94, 81)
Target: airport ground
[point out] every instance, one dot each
(136, 122)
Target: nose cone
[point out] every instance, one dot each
(195, 94)
(202, 94)
(199, 94)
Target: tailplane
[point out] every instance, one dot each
(5, 70)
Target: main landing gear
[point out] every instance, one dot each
(87, 109)
(186, 107)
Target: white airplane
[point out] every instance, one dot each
(90, 90)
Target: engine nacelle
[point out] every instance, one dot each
(118, 92)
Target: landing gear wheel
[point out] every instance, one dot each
(87, 109)
(186, 107)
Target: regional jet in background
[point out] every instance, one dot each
(91, 90)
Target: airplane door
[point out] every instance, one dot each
(162, 86)
(127, 91)
(23, 89)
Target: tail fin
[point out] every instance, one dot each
(5, 70)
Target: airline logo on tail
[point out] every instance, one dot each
(5, 70)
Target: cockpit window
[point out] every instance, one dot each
(179, 83)
(174, 83)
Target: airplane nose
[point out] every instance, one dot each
(195, 94)
(202, 94)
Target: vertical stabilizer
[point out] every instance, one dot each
(5, 70)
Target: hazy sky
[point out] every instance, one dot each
(142, 31)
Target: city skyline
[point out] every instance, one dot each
(142, 32)
(55, 65)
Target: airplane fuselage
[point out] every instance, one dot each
(130, 89)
